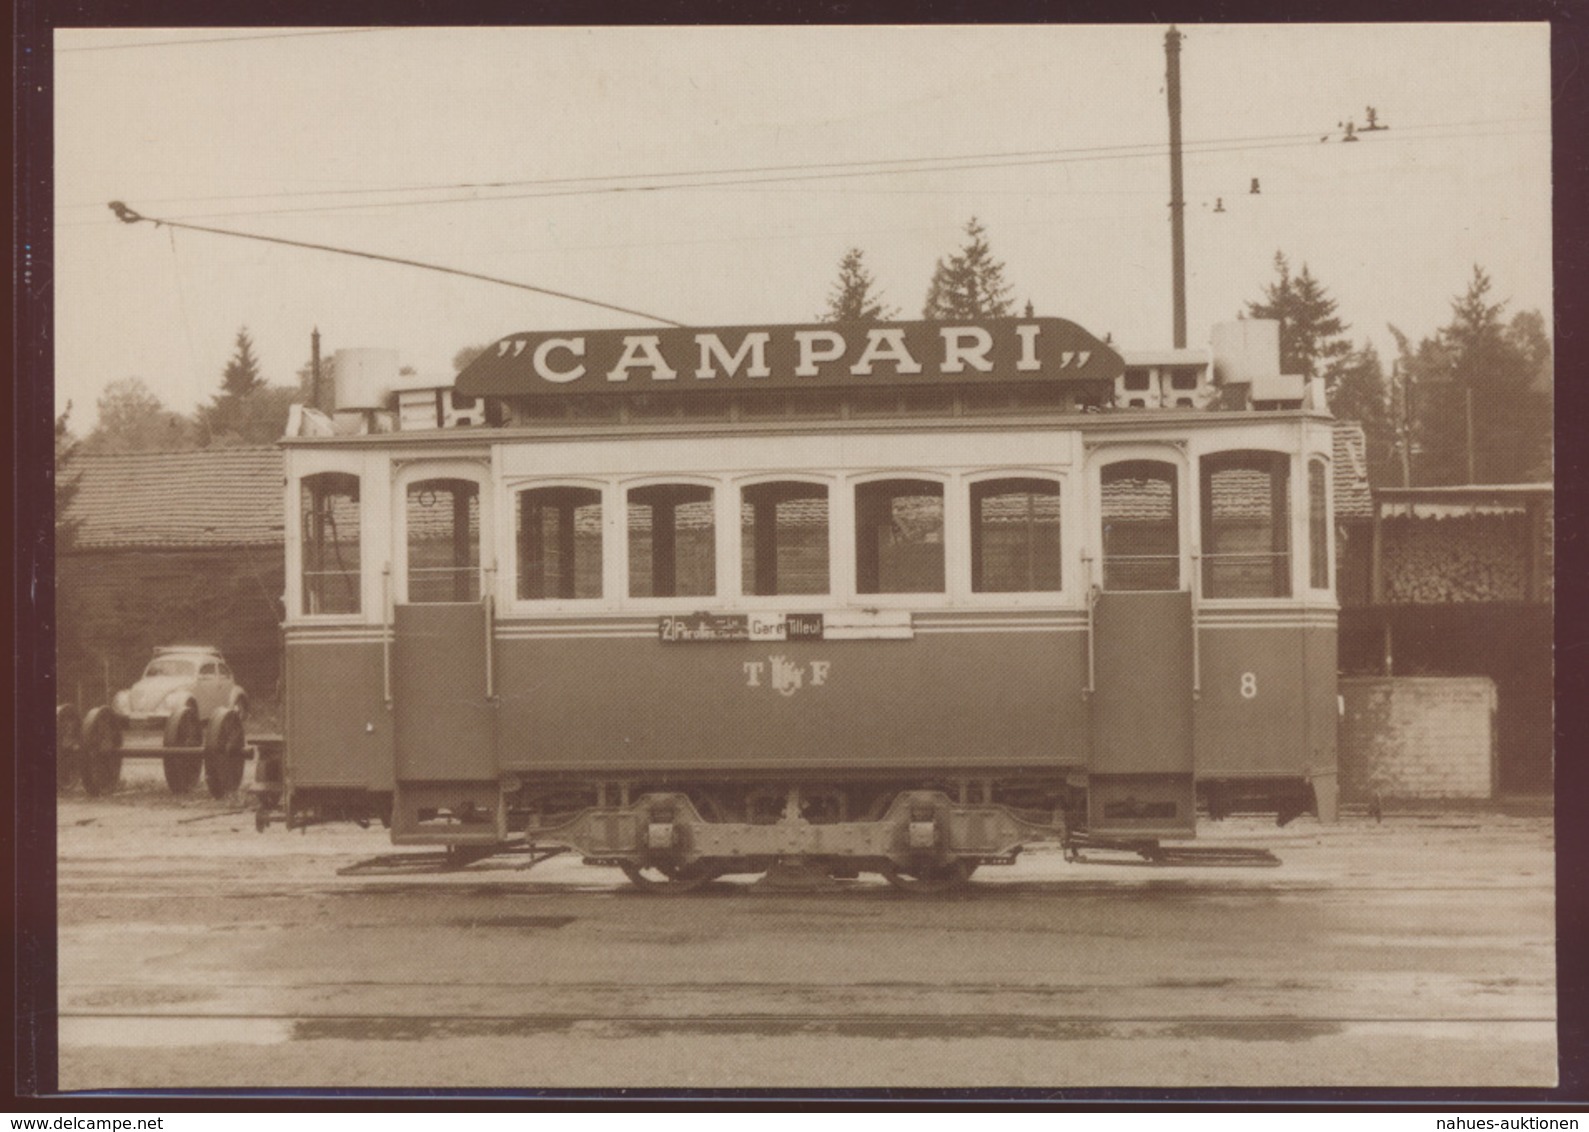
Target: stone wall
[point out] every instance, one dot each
(1418, 737)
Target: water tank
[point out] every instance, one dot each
(1246, 350)
(364, 378)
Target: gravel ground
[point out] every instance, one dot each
(1417, 951)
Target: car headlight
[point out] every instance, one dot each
(121, 703)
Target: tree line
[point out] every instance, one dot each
(1470, 403)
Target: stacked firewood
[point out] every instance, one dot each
(1472, 557)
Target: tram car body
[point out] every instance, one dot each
(899, 598)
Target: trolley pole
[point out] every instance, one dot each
(1172, 89)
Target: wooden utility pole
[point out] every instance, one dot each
(1172, 88)
(314, 368)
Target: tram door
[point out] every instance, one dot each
(1140, 780)
(444, 715)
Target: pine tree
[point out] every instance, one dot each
(246, 410)
(242, 372)
(1480, 393)
(853, 297)
(1312, 338)
(970, 284)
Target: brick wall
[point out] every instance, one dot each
(1418, 737)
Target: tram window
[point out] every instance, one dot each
(330, 526)
(1136, 380)
(672, 541)
(1015, 536)
(1318, 528)
(443, 540)
(648, 406)
(1246, 525)
(987, 399)
(594, 408)
(1182, 379)
(1141, 526)
(899, 537)
(784, 536)
(875, 402)
(559, 543)
(757, 406)
(705, 406)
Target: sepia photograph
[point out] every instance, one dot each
(687, 558)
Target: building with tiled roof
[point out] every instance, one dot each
(210, 497)
(170, 546)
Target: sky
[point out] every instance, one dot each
(716, 176)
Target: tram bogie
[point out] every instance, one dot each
(906, 621)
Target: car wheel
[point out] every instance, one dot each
(223, 753)
(68, 746)
(184, 730)
(101, 756)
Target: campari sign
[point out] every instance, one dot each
(994, 350)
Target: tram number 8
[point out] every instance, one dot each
(1249, 685)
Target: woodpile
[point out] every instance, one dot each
(1472, 557)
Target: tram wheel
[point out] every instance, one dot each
(101, 754)
(671, 879)
(931, 879)
(223, 754)
(183, 730)
(68, 746)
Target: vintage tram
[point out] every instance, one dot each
(896, 598)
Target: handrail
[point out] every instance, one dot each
(1197, 642)
(1092, 601)
(386, 633)
(488, 597)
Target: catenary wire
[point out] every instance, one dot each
(606, 190)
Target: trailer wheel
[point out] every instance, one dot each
(183, 730)
(223, 753)
(931, 879)
(68, 746)
(101, 755)
(669, 879)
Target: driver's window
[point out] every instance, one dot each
(443, 532)
(1141, 525)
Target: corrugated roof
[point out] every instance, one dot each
(205, 498)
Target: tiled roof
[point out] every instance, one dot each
(205, 498)
(1353, 500)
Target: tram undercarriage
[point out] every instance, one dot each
(677, 836)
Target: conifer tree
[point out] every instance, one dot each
(1312, 339)
(970, 283)
(854, 296)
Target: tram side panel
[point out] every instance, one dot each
(1265, 714)
(339, 733)
(938, 702)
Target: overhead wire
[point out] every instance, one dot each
(1061, 157)
(1107, 152)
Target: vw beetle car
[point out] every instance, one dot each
(176, 678)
